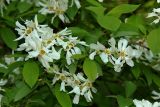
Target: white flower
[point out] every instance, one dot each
(3, 6)
(44, 55)
(27, 30)
(71, 48)
(77, 3)
(100, 0)
(77, 92)
(56, 7)
(155, 14)
(2, 82)
(1, 96)
(156, 95)
(158, 1)
(64, 76)
(145, 103)
(102, 51)
(125, 52)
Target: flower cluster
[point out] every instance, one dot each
(42, 43)
(56, 7)
(115, 55)
(145, 103)
(155, 13)
(80, 85)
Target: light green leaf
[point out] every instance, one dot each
(90, 68)
(30, 73)
(109, 22)
(124, 102)
(8, 37)
(130, 88)
(98, 11)
(62, 97)
(78, 56)
(123, 8)
(153, 40)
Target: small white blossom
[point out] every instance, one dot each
(155, 13)
(156, 95)
(77, 3)
(56, 7)
(145, 103)
(100, 0)
(3, 5)
(102, 51)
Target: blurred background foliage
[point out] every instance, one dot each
(114, 89)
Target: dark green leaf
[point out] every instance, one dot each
(8, 37)
(23, 6)
(22, 91)
(130, 88)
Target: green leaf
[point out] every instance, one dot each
(130, 88)
(62, 97)
(41, 18)
(22, 91)
(123, 8)
(30, 73)
(156, 80)
(23, 6)
(93, 2)
(98, 11)
(72, 11)
(153, 40)
(78, 56)
(90, 68)
(106, 21)
(72, 68)
(109, 22)
(148, 74)
(8, 37)
(138, 22)
(13, 66)
(136, 71)
(124, 102)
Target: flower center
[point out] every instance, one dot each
(107, 51)
(29, 30)
(42, 52)
(122, 54)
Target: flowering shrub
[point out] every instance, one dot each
(77, 53)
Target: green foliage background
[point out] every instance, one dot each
(93, 22)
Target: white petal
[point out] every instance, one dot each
(92, 55)
(62, 88)
(104, 57)
(122, 44)
(129, 62)
(33, 53)
(76, 99)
